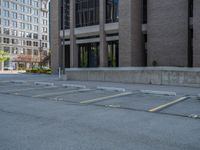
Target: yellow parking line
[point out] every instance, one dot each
(167, 104)
(104, 98)
(58, 93)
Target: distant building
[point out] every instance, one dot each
(24, 31)
(124, 33)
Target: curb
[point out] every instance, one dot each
(158, 92)
(111, 89)
(18, 81)
(74, 85)
(44, 83)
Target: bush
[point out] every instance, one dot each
(39, 71)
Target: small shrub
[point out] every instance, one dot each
(39, 71)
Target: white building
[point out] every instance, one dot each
(24, 31)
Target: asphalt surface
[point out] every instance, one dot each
(40, 117)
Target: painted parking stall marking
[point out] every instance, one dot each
(60, 93)
(105, 98)
(161, 107)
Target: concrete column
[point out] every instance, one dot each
(196, 38)
(103, 53)
(55, 34)
(167, 30)
(73, 45)
(130, 33)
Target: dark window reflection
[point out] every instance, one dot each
(87, 12)
(113, 54)
(112, 11)
(65, 5)
(89, 55)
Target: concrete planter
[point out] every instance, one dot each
(139, 75)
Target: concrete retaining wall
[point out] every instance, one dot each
(140, 75)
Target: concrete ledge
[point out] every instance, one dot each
(111, 89)
(139, 75)
(158, 92)
(74, 85)
(44, 83)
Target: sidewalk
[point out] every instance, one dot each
(12, 71)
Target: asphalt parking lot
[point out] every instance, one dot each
(43, 112)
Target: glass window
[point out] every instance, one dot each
(6, 22)
(66, 12)
(14, 32)
(112, 12)
(6, 31)
(29, 51)
(22, 8)
(89, 55)
(44, 30)
(29, 18)
(29, 26)
(14, 15)
(35, 36)
(87, 12)
(6, 49)
(35, 4)
(6, 40)
(36, 20)
(35, 44)
(29, 35)
(6, 13)
(14, 24)
(28, 10)
(35, 52)
(22, 16)
(14, 6)
(22, 25)
(6, 4)
(35, 28)
(44, 14)
(113, 54)
(28, 43)
(15, 41)
(14, 50)
(35, 12)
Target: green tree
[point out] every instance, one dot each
(3, 57)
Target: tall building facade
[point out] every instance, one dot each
(125, 33)
(24, 31)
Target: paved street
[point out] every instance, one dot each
(41, 112)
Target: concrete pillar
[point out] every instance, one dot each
(73, 45)
(103, 53)
(167, 31)
(130, 33)
(196, 38)
(55, 34)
